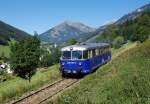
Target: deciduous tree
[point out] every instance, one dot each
(25, 57)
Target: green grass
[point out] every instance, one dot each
(125, 47)
(124, 80)
(14, 88)
(4, 50)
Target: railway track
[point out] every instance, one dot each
(45, 93)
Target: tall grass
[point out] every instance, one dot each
(124, 80)
(12, 89)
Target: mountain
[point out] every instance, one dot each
(65, 31)
(97, 32)
(68, 29)
(134, 14)
(8, 32)
(110, 29)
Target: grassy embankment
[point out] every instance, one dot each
(14, 88)
(124, 80)
(5, 50)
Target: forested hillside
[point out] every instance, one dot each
(137, 29)
(8, 32)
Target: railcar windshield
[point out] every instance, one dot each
(66, 54)
(76, 54)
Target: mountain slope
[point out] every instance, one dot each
(133, 30)
(133, 26)
(134, 14)
(66, 30)
(97, 32)
(7, 32)
(124, 80)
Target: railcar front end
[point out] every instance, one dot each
(72, 62)
(83, 59)
(75, 66)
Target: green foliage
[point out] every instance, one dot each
(138, 29)
(109, 34)
(5, 77)
(134, 30)
(49, 58)
(56, 55)
(124, 80)
(72, 41)
(8, 32)
(4, 51)
(46, 59)
(3, 57)
(118, 42)
(16, 87)
(2, 75)
(25, 57)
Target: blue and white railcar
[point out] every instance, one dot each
(84, 58)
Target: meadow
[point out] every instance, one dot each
(15, 87)
(5, 50)
(123, 80)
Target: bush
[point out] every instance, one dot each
(72, 41)
(49, 58)
(46, 60)
(118, 42)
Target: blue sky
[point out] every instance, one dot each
(41, 15)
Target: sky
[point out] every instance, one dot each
(41, 15)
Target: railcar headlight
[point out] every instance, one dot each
(62, 63)
(80, 63)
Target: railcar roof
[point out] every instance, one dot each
(85, 46)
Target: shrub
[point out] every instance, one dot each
(118, 42)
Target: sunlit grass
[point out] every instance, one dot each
(16, 87)
(126, 46)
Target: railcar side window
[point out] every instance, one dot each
(103, 50)
(97, 51)
(100, 51)
(106, 49)
(66, 54)
(89, 53)
(93, 53)
(109, 49)
(85, 54)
